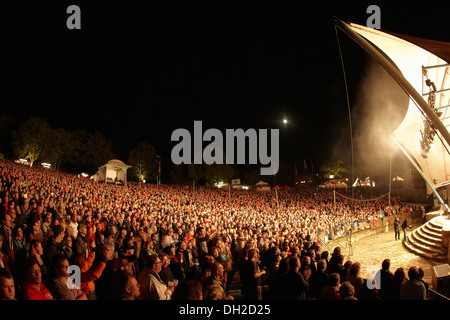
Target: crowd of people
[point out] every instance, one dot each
(166, 242)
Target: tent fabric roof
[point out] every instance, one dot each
(117, 163)
(439, 48)
(409, 55)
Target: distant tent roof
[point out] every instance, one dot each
(113, 171)
(118, 163)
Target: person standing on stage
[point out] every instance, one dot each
(397, 229)
(404, 227)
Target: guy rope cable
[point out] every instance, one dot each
(348, 104)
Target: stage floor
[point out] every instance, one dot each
(371, 250)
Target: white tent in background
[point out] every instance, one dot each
(114, 171)
(421, 67)
(368, 182)
(262, 186)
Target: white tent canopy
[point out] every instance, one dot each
(368, 182)
(114, 171)
(262, 186)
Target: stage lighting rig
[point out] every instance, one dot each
(428, 132)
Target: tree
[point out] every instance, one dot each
(86, 151)
(196, 172)
(98, 150)
(252, 177)
(58, 147)
(210, 173)
(144, 160)
(179, 175)
(6, 127)
(218, 172)
(32, 138)
(335, 169)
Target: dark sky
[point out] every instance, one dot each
(136, 73)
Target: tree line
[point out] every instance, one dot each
(79, 151)
(75, 151)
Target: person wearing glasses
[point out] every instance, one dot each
(152, 287)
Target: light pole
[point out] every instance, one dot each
(140, 173)
(159, 171)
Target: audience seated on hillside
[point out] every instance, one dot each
(168, 242)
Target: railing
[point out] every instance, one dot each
(434, 295)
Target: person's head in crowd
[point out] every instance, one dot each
(355, 269)
(60, 265)
(48, 218)
(322, 265)
(67, 241)
(6, 219)
(58, 233)
(148, 245)
(113, 230)
(32, 273)
(69, 230)
(347, 291)
(165, 260)
(294, 263)
(120, 264)
(82, 230)
(334, 279)
(213, 292)
(348, 264)
(18, 232)
(35, 248)
(188, 290)
(217, 270)
(252, 254)
(126, 286)
(386, 264)
(154, 263)
(399, 275)
(413, 273)
(201, 232)
(306, 261)
(33, 204)
(179, 255)
(123, 233)
(99, 237)
(421, 273)
(337, 251)
(7, 287)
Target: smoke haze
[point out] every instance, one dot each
(378, 109)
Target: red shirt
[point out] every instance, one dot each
(29, 292)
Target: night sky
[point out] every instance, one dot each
(136, 73)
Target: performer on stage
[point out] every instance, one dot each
(397, 229)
